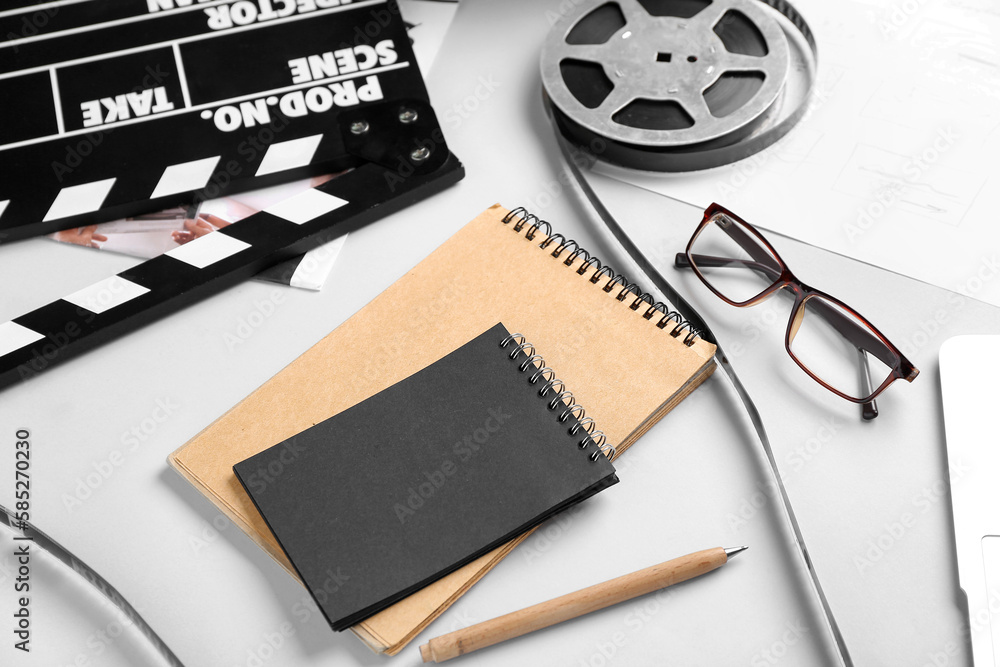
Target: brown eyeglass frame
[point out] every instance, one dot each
(785, 279)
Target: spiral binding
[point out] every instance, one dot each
(539, 371)
(521, 217)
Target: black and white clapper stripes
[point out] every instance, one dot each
(33, 342)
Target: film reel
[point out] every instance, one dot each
(678, 85)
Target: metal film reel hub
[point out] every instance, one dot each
(669, 85)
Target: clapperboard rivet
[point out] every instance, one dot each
(420, 154)
(359, 127)
(407, 116)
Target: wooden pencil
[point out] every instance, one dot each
(572, 605)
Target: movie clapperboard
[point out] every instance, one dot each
(114, 109)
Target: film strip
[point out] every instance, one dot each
(576, 161)
(33, 535)
(678, 85)
(112, 109)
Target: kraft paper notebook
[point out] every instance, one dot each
(425, 476)
(581, 314)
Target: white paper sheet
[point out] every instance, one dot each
(895, 162)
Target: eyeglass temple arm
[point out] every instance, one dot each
(858, 336)
(681, 262)
(869, 410)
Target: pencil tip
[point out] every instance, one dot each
(732, 551)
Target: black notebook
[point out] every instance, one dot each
(397, 491)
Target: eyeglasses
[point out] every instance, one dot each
(830, 341)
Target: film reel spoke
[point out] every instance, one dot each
(738, 62)
(595, 53)
(635, 14)
(694, 103)
(711, 15)
(617, 100)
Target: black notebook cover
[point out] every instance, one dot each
(427, 475)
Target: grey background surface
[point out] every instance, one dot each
(103, 425)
